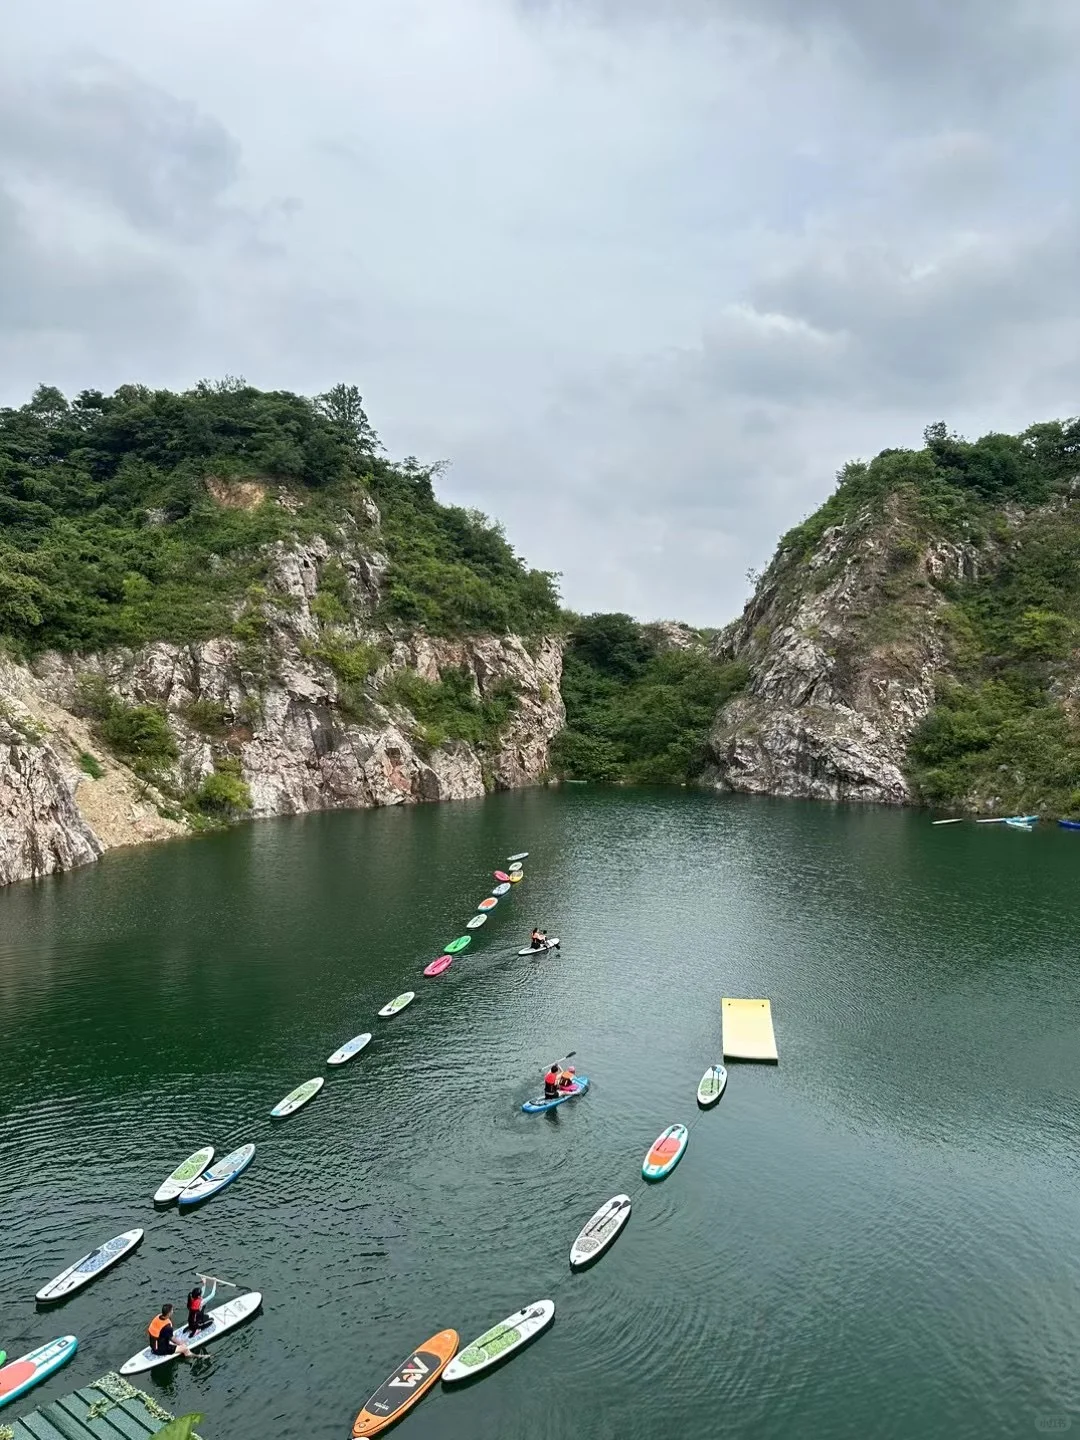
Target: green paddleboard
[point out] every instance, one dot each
(459, 944)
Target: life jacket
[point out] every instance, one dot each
(158, 1324)
(194, 1302)
(551, 1080)
(566, 1080)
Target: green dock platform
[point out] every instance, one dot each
(109, 1409)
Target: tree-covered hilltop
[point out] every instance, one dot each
(637, 707)
(111, 535)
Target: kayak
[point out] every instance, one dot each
(222, 1317)
(21, 1375)
(711, 1085)
(488, 904)
(518, 875)
(476, 922)
(1020, 822)
(502, 877)
(409, 1382)
(438, 966)
(90, 1266)
(1069, 824)
(349, 1049)
(398, 1003)
(514, 868)
(552, 944)
(599, 1231)
(456, 946)
(297, 1098)
(521, 855)
(500, 1342)
(218, 1176)
(501, 889)
(183, 1175)
(665, 1153)
(534, 1107)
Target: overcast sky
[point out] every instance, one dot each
(646, 282)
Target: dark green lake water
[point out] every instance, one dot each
(876, 1237)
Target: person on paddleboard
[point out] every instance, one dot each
(197, 1318)
(567, 1079)
(537, 939)
(551, 1082)
(163, 1339)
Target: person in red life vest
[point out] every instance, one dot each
(551, 1082)
(163, 1339)
(197, 1318)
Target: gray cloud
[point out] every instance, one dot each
(647, 277)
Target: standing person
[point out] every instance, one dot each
(163, 1339)
(197, 1318)
(551, 1082)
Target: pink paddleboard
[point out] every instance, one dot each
(501, 876)
(438, 966)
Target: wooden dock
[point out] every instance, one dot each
(748, 1030)
(109, 1409)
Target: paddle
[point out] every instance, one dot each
(611, 1209)
(507, 1329)
(568, 1056)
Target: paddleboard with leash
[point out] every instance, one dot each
(521, 855)
(456, 946)
(502, 889)
(489, 903)
(19, 1376)
(349, 1049)
(218, 1177)
(409, 1383)
(711, 1086)
(297, 1098)
(500, 1342)
(437, 967)
(514, 868)
(397, 1004)
(476, 922)
(534, 1107)
(665, 1152)
(89, 1267)
(552, 944)
(222, 1318)
(187, 1171)
(599, 1231)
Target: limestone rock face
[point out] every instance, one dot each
(301, 738)
(844, 653)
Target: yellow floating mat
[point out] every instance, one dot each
(748, 1030)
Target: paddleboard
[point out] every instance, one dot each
(600, 1230)
(521, 855)
(23, 1374)
(501, 889)
(456, 946)
(711, 1086)
(518, 875)
(183, 1175)
(500, 1342)
(349, 1049)
(222, 1317)
(476, 922)
(551, 944)
(665, 1152)
(409, 1382)
(533, 1107)
(297, 1098)
(488, 904)
(90, 1266)
(438, 966)
(398, 1003)
(514, 868)
(502, 876)
(218, 1176)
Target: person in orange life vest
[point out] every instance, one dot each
(163, 1339)
(568, 1079)
(197, 1318)
(551, 1082)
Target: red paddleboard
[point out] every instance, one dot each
(501, 876)
(488, 904)
(438, 966)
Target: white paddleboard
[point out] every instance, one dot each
(349, 1049)
(476, 922)
(298, 1097)
(218, 1176)
(711, 1085)
(500, 1341)
(521, 855)
(515, 867)
(223, 1317)
(539, 949)
(90, 1266)
(398, 1003)
(501, 889)
(600, 1230)
(184, 1174)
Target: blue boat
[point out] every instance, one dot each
(1069, 824)
(533, 1107)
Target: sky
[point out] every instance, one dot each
(646, 274)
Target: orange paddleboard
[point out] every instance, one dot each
(409, 1382)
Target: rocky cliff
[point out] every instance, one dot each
(308, 712)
